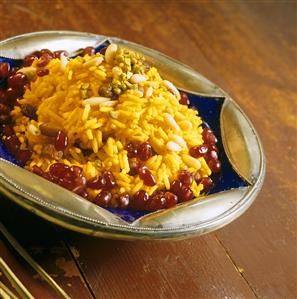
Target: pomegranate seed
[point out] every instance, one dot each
(98, 182)
(176, 186)
(140, 200)
(48, 176)
(43, 72)
(145, 151)
(59, 170)
(214, 165)
(4, 69)
(208, 136)
(76, 170)
(23, 156)
(17, 81)
(184, 100)
(4, 110)
(123, 201)
(212, 155)
(132, 149)
(198, 151)
(65, 183)
(44, 59)
(13, 70)
(134, 166)
(37, 170)
(157, 202)
(29, 59)
(57, 54)
(110, 180)
(185, 177)
(12, 143)
(12, 94)
(29, 111)
(171, 199)
(61, 141)
(89, 50)
(79, 185)
(212, 147)
(4, 119)
(46, 51)
(3, 97)
(207, 183)
(186, 194)
(7, 130)
(146, 176)
(103, 199)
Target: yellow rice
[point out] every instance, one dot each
(105, 129)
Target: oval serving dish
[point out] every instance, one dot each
(241, 153)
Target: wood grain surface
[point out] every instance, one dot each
(249, 49)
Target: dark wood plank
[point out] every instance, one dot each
(197, 268)
(44, 244)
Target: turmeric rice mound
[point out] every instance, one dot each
(104, 102)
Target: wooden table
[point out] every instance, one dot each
(249, 49)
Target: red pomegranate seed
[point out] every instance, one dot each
(98, 182)
(17, 81)
(123, 201)
(208, 136)
(12, 94)
(43, 72)
(23, 156)
(171, 199)
(212, 155)
(146, 176)
(29, 59)
(176, 186)
(29, 111)
(59, 170)
(44, 59)
(57, 54)
(207, 183)
(48, 176)
(214, 165)
(37, 170)
(4, 69)
(65, 183)
(134, 166)
(61, 141)
(12, 143)
(110, 180)
(13, 70)
(212, 147)
(46, 51)
(198, 151)
(103, 199)
(185, 177)
(7, 130)
(186, 194)
(4, 119)
(157, 202)
(76, 170)
(132, 149)
(140, 200)
(144, 151)
(89, 50)
(4, 110)
(79, 185)
(184, 100)
(3, 97)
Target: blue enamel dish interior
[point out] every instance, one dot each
(209, 109)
